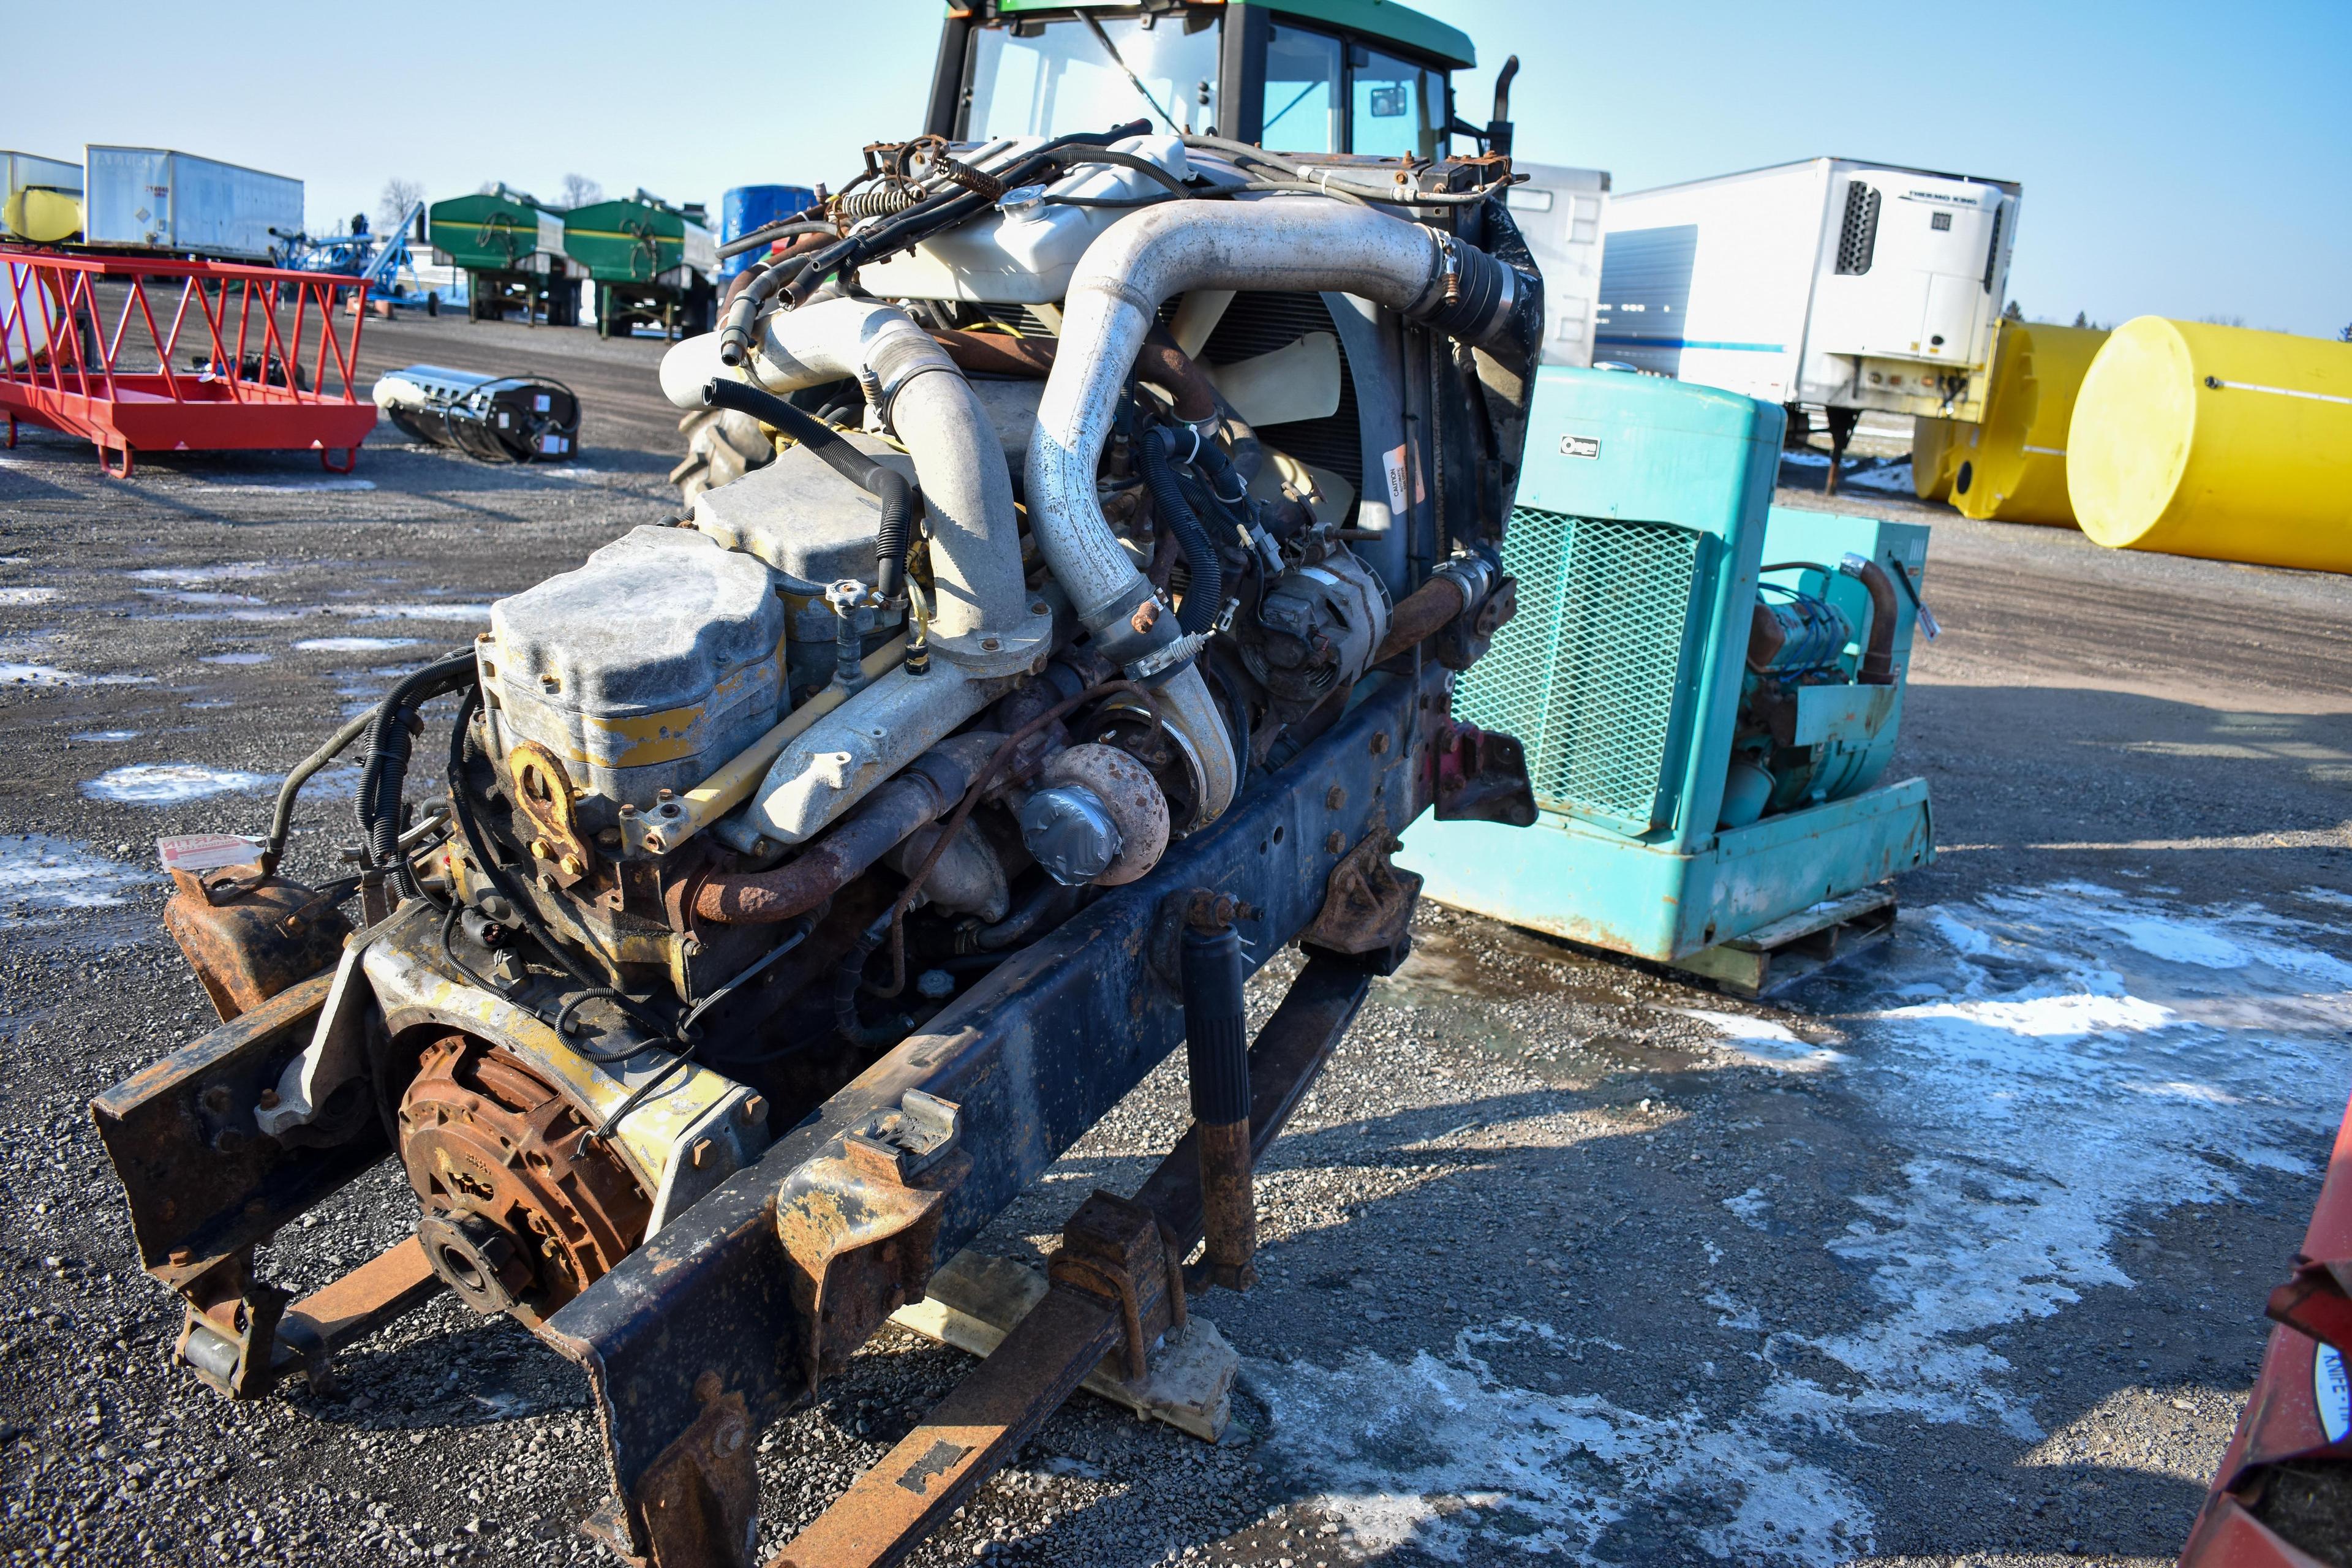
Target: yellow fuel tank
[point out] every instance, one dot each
(1936, 448)
(2015, 467)
(44, 217)
(2216, 441)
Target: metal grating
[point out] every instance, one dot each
(1858, 238)
(1587, 674)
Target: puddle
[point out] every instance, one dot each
(41, 875)
(353, 644)
(235, 658)
(170, 784)
(106, 736)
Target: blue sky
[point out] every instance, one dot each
(2180, 160)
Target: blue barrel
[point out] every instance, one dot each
(745, 208)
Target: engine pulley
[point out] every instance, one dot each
(522, 1210)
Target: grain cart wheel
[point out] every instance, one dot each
(722, 447)
(522, 1211)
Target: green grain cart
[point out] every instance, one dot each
(511, 247)
(652, 263)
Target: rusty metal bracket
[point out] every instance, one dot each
(261, 939)
(228, 1336)
(544, 793)
(700, 1499)
(242, 1335)
(1480, 776)
(1115, 1249)
(1367, 911)
(860, 1228)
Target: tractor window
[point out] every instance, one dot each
(1052, 78)
(1399, 107)
(1302, 92)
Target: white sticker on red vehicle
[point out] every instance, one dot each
(207, 852)
(2331, 1392)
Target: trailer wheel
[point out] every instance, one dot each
(722, 447)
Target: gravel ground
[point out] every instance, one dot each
(1954, 1253)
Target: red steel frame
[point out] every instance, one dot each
(2283, 1421)
(73, 376)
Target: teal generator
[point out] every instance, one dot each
(1707, 686)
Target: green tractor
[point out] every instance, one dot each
(1343, 78)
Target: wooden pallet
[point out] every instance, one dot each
(1774, 956)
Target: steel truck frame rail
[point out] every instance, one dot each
(736, 1312)
(64, 366)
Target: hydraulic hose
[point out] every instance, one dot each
(744, 304)
(769, 232)
(940, 211)
(386, 767)
(281, 817)
(1204, 596)
(895, 534)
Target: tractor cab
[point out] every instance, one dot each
(1362, 77)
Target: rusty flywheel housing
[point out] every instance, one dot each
(522, 1209)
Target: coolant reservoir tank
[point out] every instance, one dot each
(644, 669)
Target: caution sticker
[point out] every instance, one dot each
(207, 852)
(1392, 465)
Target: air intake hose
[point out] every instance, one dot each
(896, 532)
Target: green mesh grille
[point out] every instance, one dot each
(1585, 675)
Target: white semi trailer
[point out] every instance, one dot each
(1832, 282)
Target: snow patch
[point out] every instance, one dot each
(170, 784)
(2072, 1078)
(1408, 1452)
(1749, 1206)
(354, 645)
(27, 595)
(1893, 478)
(230, 571)
(106, 736)
(2182, 943)
(247, 657)
(288, 485)
(41, 875)
(50, 675)
(201, 596)
(414, 611)
(1764, 1042)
